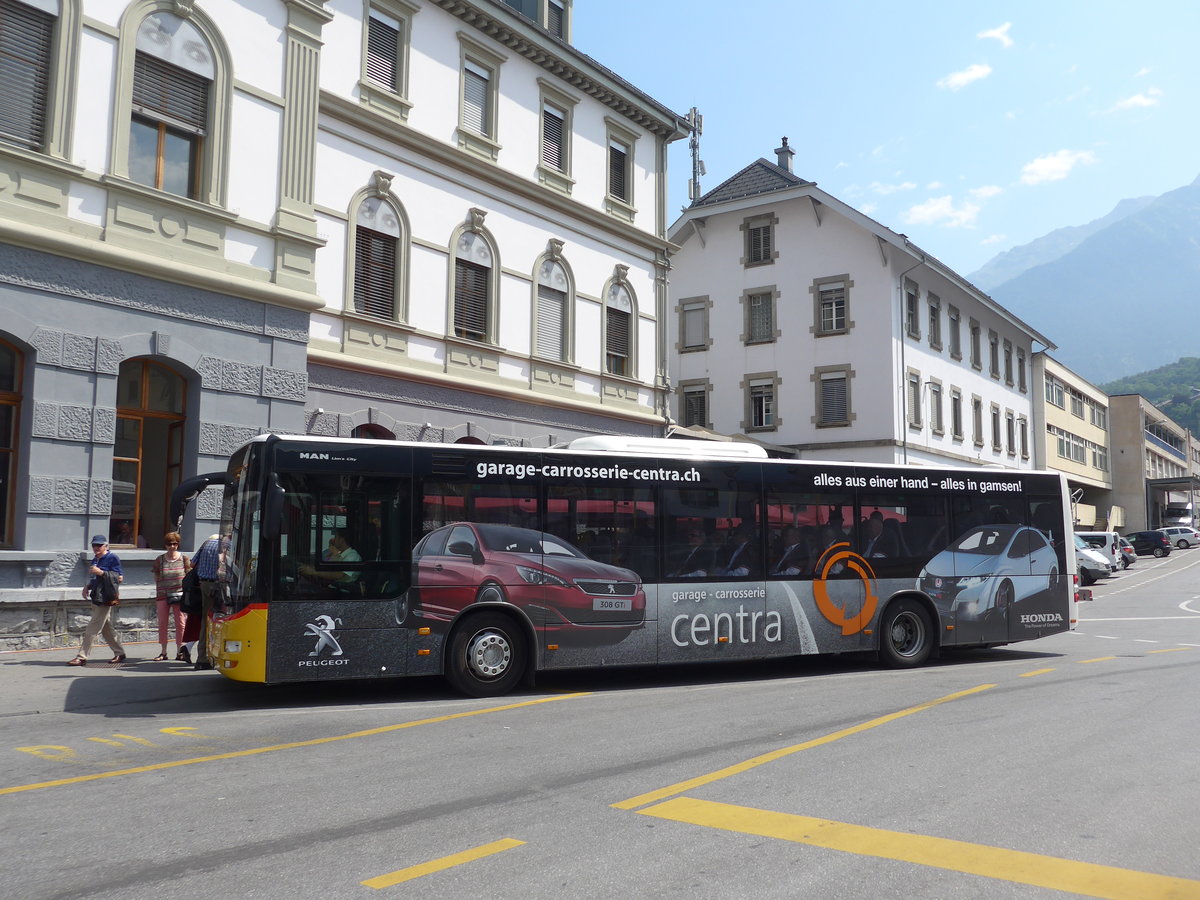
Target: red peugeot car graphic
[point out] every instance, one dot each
(558, 587)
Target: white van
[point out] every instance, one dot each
(1107, 544)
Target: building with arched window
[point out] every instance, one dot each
(383, 219)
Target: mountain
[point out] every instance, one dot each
(1174, 388)
(1125, 296)
(1049, 247)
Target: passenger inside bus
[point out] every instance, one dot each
(695, 558)
(793, 554)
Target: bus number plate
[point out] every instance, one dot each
(612, 604)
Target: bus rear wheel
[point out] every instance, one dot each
(487, 655)
(907, 635)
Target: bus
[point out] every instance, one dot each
(350, 558)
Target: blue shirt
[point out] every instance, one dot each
(109, 562)
(208, 559)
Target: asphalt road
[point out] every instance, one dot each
(1061, 767)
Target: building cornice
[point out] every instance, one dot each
(562, 60)
(339, 360)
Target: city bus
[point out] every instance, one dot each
(350, 558)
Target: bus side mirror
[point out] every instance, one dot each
(273, 510)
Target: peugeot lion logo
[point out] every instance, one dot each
(612, 588)
(322, 630)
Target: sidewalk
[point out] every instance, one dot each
(40, 681)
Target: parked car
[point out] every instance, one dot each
(1150, 542)
(1106, 543)
(1182, 536)
(1128, 554)
(553, 582)
(1091, 564)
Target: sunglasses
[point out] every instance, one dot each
(98, 546)
(172, 543)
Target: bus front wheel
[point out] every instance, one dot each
(487, 655)
(907, 635)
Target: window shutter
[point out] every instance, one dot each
(616, 172)
(833, 399)
(550, 322)
(170, 94)
(552, 139)
(555, 19)
(760, 243)
(471, 300)
(475, 100)
(374, 273)
(617, 340)
(25, 47)
(694, 411)
(383, 40)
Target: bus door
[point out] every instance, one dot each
(601, 566)
(344, 569)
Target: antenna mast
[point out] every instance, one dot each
(696, 126)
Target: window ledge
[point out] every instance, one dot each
(619, 208)
(387, 103)
(167, 199)
(841, 423)
(552, 178)
(478, 144)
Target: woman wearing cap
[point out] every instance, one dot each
(104, 576)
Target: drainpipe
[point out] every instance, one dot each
(903, 366)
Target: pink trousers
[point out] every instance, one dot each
(165, 612)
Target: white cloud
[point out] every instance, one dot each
(993, 239)
(868, 209)
(1055, 166)
(1000, 34)
(988, 190)
(884, 189)
(1144, 70)
(942, 211)
(958, 80)
(934, 186)
(1138, 101)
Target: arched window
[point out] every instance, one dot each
(172, 77)
(174, 95)
(11, 367)
(376, 259)
(148, 453)
(473, 312)
(620, 322)
(372, 432)
(553, 319)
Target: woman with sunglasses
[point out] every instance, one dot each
(169, 569)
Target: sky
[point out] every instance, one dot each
(971, 128)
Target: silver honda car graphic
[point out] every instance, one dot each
(988, 568)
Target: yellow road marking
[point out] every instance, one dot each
(737, 769)
(1097, 659)
(255, 751)
(941, 853)
(1036, 672)
(1169, 650)
(438, 865)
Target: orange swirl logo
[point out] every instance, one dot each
(841, 554)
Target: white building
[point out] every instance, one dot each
(800, 321)
(493, 209)
(429, 219)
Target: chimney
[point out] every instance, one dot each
(784, 154)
